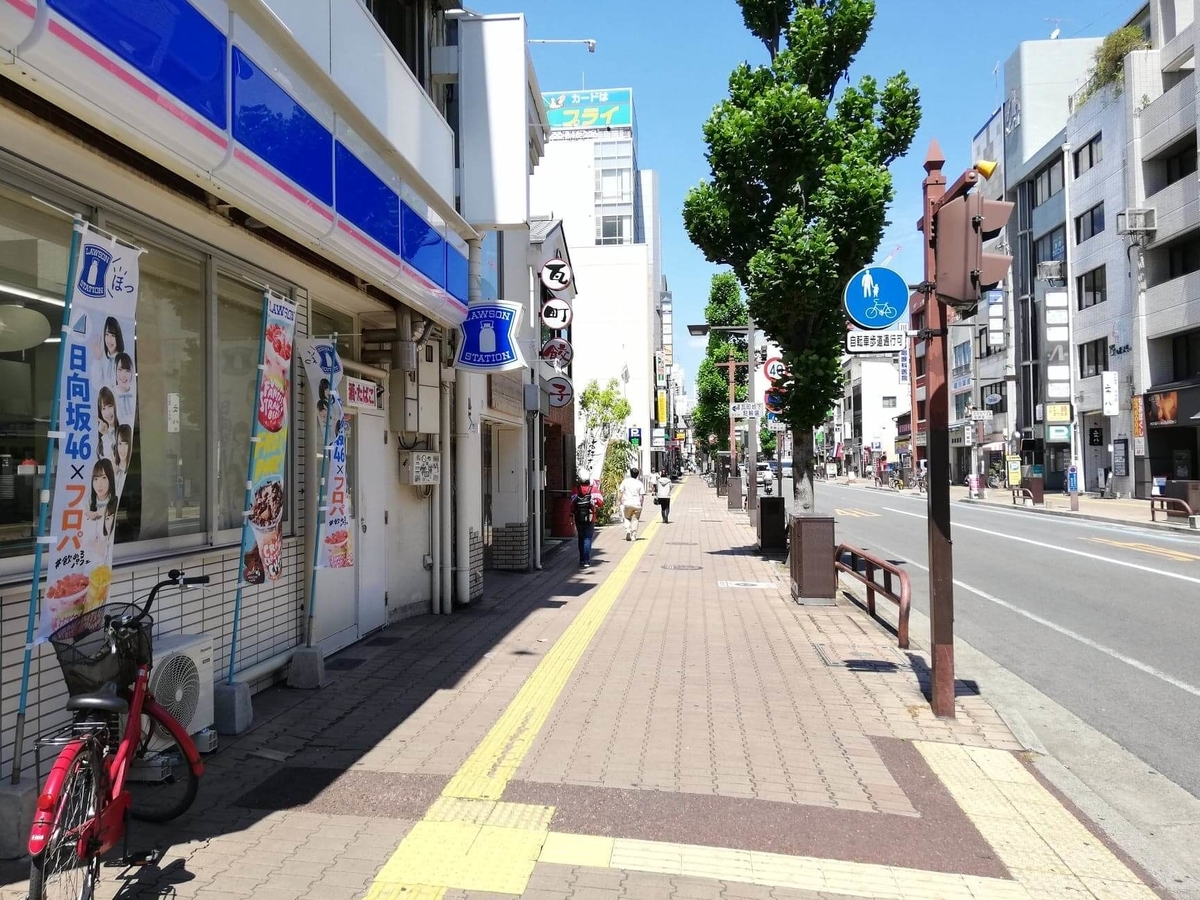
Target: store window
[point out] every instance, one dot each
(35, 242)
(166, 494)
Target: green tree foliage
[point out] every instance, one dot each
(605, 410)
(796, 200)
(767, 443)
(619, 456)
(711, 412)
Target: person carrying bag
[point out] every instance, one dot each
(585, 500)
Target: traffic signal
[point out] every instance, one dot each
(964, 270)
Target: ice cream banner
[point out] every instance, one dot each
(323, 369)
(262, 534)
(96, 412)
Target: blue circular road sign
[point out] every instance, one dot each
(876, 297)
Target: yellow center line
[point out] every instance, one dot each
(1167, 552)
(468, 839)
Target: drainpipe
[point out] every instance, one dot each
(469, 463)
(435, 536)
(446, 571)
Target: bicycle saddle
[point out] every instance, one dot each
(103, 700)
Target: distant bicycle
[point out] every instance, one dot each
(886, 310)
(897, 483)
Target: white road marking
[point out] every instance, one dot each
(1013, 537)
(1067, 632)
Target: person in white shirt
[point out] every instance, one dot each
(662, 494)
(632, 494)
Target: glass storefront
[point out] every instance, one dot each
(196, 346)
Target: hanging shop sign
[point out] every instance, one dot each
(561, 391)
(556, 314)
(1138, 408)
(558, 350)
(266, 482)
(556, 275)
(1109, 393)
(488, 338)
(324, 373)
(97, 405)
(362, 394)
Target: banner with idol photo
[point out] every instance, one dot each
(97, 406)
(335, 537)
(266, 496)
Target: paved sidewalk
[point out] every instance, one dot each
(667, 724)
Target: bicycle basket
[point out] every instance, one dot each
(86, 655)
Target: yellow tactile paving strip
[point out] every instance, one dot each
(1045, 848)
(471, 840)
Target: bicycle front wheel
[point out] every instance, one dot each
(58, 872)
(160, 780)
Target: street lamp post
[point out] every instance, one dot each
(751, 427)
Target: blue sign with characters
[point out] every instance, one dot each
(1073, 479)
(876, 297)
(488, 338)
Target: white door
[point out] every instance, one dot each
(372, 456)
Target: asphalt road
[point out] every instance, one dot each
(1100, 617)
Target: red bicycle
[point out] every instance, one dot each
(148, 767)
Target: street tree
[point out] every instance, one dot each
(605, 411)
(725, 308)
(798, 189)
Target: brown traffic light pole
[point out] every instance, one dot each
(941, 558)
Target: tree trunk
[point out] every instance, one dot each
(802, 470)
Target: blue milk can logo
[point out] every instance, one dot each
(487, 338)
(876, 297)
(93, 274)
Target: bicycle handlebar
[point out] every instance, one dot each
(174, 577)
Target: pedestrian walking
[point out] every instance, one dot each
(585, 499)
(662, 494)
(632, 496)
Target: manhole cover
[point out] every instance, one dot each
(679, 568)
(747, 584)
(343, 665)
(862, 659)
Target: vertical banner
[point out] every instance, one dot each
(323, 369)
(1139, 425)
(97, 405)
(266, 484)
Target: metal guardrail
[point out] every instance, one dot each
(1170, 506)
(1020, 495)
(872, 564)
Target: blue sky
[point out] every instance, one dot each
(678, 63)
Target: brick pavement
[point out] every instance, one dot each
(630, 731)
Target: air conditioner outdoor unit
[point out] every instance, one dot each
(1051, 270)
(1137, 221)
(182, 681)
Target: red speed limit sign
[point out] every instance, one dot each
(773, 369)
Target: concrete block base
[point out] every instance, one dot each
(307, 669)
(16, 815)
(232, 708)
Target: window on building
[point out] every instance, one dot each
(920, 366)
(1050, 246)
(1183, 257)
(962, 355)
(1092, 287)
(614, 230)
(995, 389)
(889, 402)
(962, 403)
(921, 410)
(1089, 155)
(1089, 224)
(1182, 162)
(1186, 353)
(1048, 182)
(1093, 357)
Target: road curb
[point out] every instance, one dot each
(1065, 514)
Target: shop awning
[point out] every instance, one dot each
(994, 445)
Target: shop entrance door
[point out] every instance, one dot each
(370, 502)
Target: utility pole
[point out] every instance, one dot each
(937, 415)
(751, 428)
(730, 368)
(955, 224)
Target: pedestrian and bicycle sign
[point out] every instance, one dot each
(876, 297)
(876, 341)
(746, 410)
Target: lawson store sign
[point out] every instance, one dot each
(196, 80)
